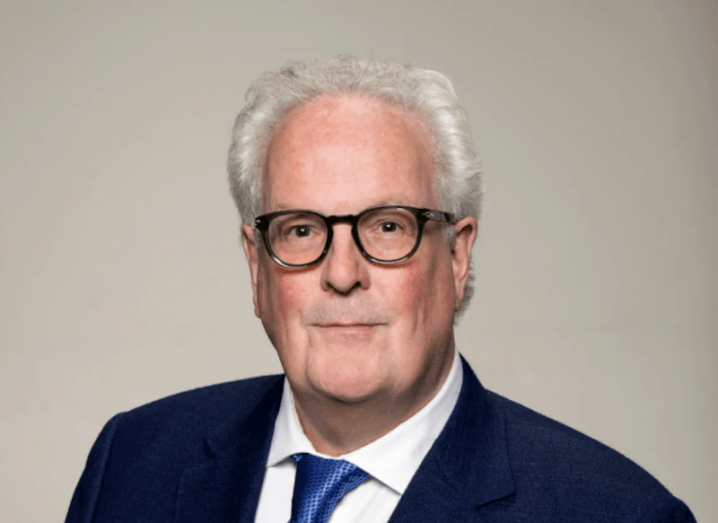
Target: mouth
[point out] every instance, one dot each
(349, 323)
(348, 327)
(342, 325)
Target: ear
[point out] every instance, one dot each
(250, 251)
(465, 231)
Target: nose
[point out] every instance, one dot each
(344, 268)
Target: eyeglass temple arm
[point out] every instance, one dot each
(439, 216)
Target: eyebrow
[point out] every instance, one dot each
(380, 203)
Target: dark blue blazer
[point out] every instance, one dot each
(200, 456)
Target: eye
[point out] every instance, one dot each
(388, 226)
(300, 231)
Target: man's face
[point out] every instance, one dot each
(349, 329)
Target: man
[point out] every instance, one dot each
(359, 194)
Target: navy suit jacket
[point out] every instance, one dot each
(200, 456)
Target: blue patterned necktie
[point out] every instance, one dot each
(320, 484)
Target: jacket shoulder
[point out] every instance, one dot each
(554, 461)
(202, 407)
(173, 431)
(135, 466)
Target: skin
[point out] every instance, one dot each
(364, 346)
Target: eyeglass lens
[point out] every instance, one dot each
(385, 234)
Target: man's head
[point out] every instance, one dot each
(337, 137)
(428, 94)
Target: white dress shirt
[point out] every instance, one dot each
(391, 461)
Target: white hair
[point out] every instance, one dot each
(428, 94)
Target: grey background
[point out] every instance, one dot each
(121, 275)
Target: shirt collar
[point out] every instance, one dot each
(394, 458)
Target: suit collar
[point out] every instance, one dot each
(467, 468)
(227, 485)
(392, 459)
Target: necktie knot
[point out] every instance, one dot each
(319, 485)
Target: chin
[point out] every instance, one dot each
(348, 383)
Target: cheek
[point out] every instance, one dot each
(427, 291)
(282, 297)
(271, 285)
(287, 292)
(411, 289)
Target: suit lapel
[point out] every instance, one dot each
(466, 471)
(226, 487)
(467, 468)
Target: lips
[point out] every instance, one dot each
(350, 329)
(347, 325)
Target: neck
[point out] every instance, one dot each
(336, 427)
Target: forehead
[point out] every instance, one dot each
(349, 153)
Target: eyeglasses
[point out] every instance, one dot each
(386, 235)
